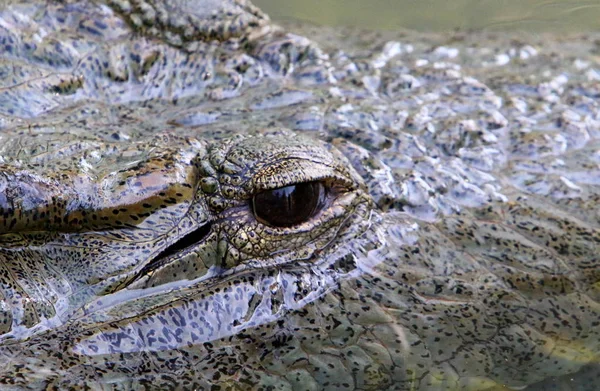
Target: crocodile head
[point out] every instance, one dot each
(193, 211)
(194, 198)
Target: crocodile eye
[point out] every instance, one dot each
(290, 205)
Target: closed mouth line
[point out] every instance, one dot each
(182, 244)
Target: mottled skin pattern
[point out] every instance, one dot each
(458, 246)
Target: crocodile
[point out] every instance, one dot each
(193, 197)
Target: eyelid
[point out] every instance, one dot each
(293, 171)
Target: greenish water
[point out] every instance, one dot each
(442, 15)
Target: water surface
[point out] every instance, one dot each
(443, 15)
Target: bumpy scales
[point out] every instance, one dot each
(194, 198)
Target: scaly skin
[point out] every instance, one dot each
(457, 247)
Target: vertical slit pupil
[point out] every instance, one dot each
(290, 205)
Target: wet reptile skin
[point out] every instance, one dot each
(458, 247)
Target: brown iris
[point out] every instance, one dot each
(289, 205)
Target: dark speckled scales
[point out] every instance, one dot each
(458, 248)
